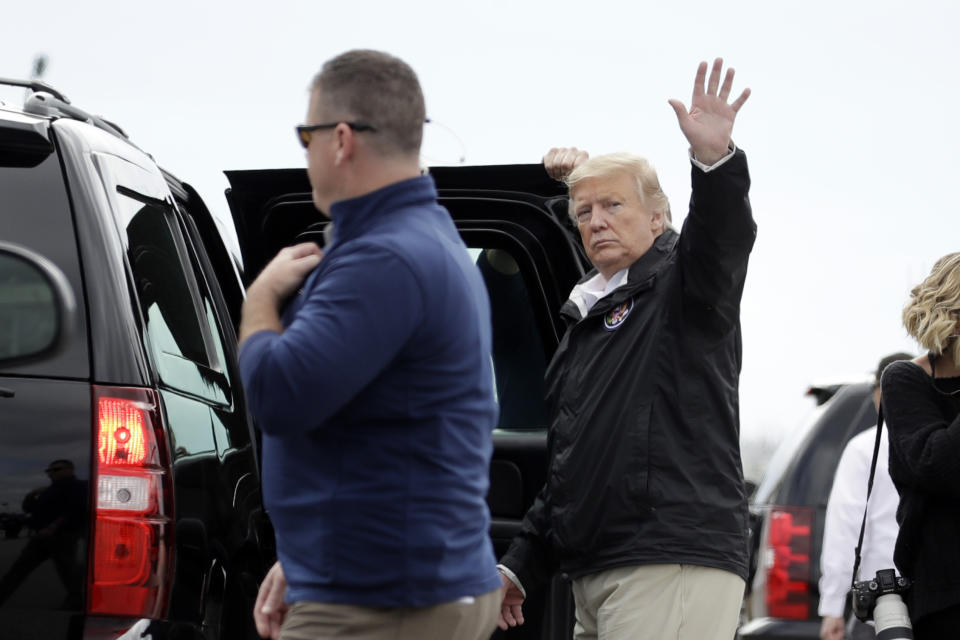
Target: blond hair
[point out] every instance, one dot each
(651, 195)
(932, 314)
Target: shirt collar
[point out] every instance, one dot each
(587, 293)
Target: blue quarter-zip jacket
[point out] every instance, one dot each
(376, 405)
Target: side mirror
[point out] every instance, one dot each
(37, 307)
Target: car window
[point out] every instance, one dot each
(177, 331)
(518, 356)
(215, 332)
(163, 289)
(230, 426)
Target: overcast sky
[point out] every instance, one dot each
(851, 132)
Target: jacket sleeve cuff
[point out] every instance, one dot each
(731, 149)
(831, 606)
(513, 578)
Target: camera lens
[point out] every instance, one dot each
(890, 616)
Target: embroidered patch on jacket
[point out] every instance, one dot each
(617, 315)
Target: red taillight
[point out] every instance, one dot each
(787, 559)
(121, 439)
(132, 540)
(126, 546)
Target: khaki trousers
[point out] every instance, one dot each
(468, 619)
(658, 602)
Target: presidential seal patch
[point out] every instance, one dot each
(617, 315)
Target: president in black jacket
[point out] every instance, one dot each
(644, 507)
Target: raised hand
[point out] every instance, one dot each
(709, 123)
(560, 161)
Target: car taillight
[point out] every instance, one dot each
(787, 562)
(131, 555)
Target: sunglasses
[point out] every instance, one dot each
(304, 131)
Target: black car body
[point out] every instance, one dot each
(788, 512)
(160, 345)
(168, 536)
(159, 527)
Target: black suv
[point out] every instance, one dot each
(129, 489)
(788, 512)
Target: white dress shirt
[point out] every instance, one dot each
(587, 294)
(844, 514)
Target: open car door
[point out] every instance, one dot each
(513, 219)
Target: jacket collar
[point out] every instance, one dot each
(640, 275)
(650, 263)
(352, 217)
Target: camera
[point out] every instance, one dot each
(879, 600)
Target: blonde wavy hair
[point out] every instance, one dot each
(932, 315)
(651, 195)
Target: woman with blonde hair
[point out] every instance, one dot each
(921, 405)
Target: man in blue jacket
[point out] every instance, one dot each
(367, 366)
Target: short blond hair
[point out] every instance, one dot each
(932, 314)
(651, 195)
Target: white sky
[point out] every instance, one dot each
(852, 131)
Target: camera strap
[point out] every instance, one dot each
(866, 504)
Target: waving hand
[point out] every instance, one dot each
(709, 123)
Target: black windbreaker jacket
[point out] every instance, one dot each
(644, 442)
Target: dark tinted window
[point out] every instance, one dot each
(205, 287)
(176, 320)
(230, 427)
(161, 282)
(35, 213)
(215, 315)
(519, 363)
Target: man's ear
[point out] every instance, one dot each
(658, 222)
(345, 143)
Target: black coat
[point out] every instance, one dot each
(643, 393)
(923, 421)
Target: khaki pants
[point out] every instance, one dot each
(658, 602)
(461, 620)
